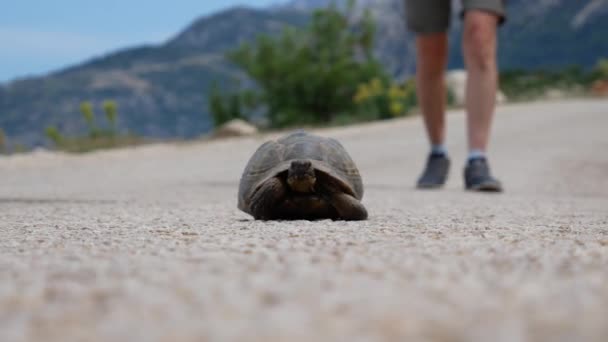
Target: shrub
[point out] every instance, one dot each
(310, 75)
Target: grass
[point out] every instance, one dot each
(88, 144)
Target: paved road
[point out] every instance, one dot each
(147, 245)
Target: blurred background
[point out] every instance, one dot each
(79, 76)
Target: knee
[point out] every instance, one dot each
(432, 55)
(431, 68)
(480, 46)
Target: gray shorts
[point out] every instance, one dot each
(433, 16)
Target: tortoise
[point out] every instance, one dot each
(302, 176)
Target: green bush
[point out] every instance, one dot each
(602, 68)
(3, 141)
(310, 75)
(111, 111)
(53, 134)
(384, 100)
(532, 84)
(86, 109)
(227, 107)
(96, 138)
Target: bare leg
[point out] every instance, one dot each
(479, 49)
(264, 202)
(348, 207)
(431, 52)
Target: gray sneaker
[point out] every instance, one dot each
(477, 177)
(435, 173)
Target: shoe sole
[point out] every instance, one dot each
(429, 186)
(486, 187)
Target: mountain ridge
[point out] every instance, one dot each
(161, 89)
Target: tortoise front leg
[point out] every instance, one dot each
(264, 202)
(348, 207)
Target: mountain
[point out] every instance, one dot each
(554, 33)
(161, 90)
(567, 32)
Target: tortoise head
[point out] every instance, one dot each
(301, 176)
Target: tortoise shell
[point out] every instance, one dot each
(274, 157)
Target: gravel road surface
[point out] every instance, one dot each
(146, 244)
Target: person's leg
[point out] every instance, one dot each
(430, 20)
(431, 54)
(479, 49)
(481, 19)
(431, 57)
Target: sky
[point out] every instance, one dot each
(38, 36)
